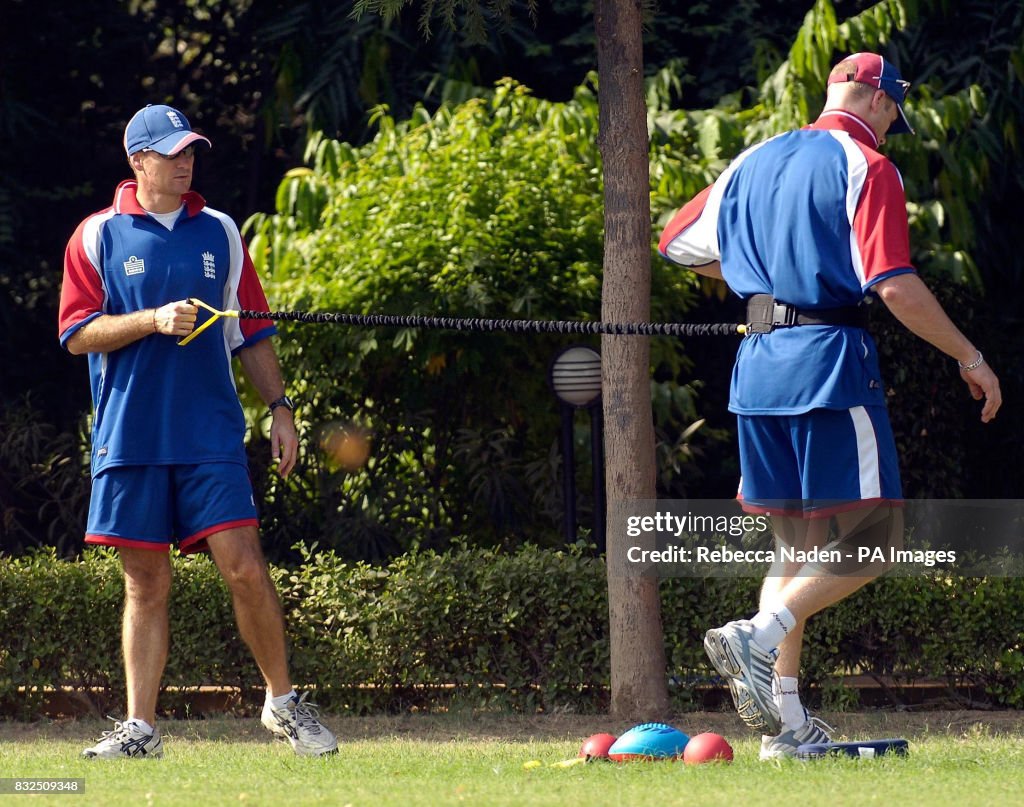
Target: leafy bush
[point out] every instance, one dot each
(526, 631)
(492, 208)
(44, 482)
(952, 170)
(61, 623)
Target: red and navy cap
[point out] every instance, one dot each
(159, 128)
(875, 71)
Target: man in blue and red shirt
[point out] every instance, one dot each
(803, 227)
(168, 452)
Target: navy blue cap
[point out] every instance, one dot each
(159, 128)
(876, 72)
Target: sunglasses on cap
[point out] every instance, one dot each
(188, 151)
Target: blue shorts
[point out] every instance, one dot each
(817, 463)
(153, 506)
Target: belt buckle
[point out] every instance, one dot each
(783, 315)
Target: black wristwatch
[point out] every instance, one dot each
(284, 401)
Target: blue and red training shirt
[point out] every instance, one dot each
(156, 403)
(815, 217)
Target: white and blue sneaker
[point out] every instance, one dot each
(127, 739)
(299, 723)
(813, 730)
(749, 670)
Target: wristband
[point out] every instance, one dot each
(284, 401)
(974, 365)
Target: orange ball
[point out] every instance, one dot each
(347, 446)
(707, 747)
(596, 746)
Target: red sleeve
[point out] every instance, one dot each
(880, 226)
(252, 298)
(686, 216)
(81, 293)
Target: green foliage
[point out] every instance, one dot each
(533, 641)
(524, 630)
(475, 13)
(930, 410)
(60, 623)
(44, 482)
(953, 168)
(256, 75)
(965, 631)
(946, 166)
(793, 95)
(491, 209)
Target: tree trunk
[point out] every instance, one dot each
(639, 689)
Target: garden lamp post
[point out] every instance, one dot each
(575, 377)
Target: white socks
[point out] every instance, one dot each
(280, 700)
(142, 724)
(786, 695)
(772, 625)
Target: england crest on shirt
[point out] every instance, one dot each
(209, 266)
(134, 266)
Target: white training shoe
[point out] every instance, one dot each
(813, 730)
(298, 722)
(126, 740)
(749, 670)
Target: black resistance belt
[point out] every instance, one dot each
(765, 314)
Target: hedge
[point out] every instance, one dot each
(526, 631)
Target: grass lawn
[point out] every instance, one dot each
(959, 758)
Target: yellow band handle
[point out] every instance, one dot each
(217, 314)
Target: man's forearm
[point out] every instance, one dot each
(263, 370)
(110, 332)
(910, 301)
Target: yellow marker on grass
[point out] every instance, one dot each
(569, 763)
